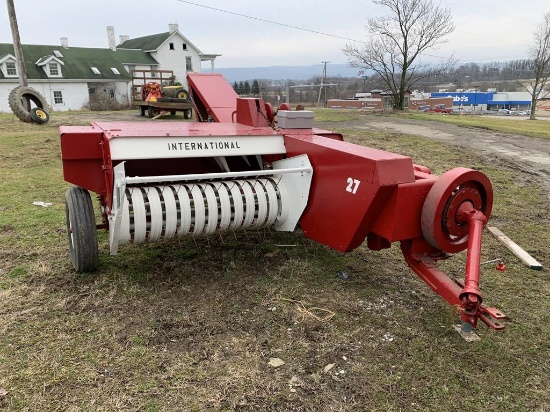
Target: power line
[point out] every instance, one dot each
(288, 25)
(478, 4)
(270, 21)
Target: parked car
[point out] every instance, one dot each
(504, 111)
(439, 108)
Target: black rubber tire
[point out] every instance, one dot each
(39, 115)
(187, 113)
(152, 111)
(182, 94)
(172, 112)
(19, 102)
(142, 110)
(81, 229)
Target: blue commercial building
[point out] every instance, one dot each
(488, 100)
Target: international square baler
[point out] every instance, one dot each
(236, 168)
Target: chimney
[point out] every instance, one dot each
(64, 42)
(111, 37)
(173, 27)
(123, 38)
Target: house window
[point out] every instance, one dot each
(10, 69)
(54, 69)
(95, 70)
(188, 64)
(171, 46)
(115, 70)
(184, 46)
(131, 67)
(112, 93)
(57, 97)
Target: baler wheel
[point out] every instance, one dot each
(142, 110)
(81, 229)
(440, 225)
(187, 113)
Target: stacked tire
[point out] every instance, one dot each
(20, 100)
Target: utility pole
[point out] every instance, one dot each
(323, 87)
(17, 45)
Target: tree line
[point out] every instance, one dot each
(244, 88)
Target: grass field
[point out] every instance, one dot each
(191, 324)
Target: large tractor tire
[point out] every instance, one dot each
(20, 99)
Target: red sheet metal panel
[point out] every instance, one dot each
(215, 93)
(82, 157)
(351, 185)
(182, 129)
(400, 217)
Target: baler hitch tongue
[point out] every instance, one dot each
(454, 214)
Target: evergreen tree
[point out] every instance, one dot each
(236, 87)
(255, 90)
(246, 87)
(241, 88)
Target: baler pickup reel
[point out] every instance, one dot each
(238, 169)
(151, 208)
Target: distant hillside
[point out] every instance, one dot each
(295, 73)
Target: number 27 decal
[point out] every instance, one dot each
(353, 185)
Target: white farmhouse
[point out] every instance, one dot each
(73, 78)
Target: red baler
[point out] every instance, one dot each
(237, 169)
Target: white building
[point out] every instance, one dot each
(73, 78)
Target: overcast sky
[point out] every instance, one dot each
(485, 30)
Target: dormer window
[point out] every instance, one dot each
(54, 69)
(11, 70)
(8, 66)
(51, 65)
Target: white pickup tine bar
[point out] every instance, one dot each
(213, 176)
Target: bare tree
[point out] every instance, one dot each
(540, 63)
(398, 40)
